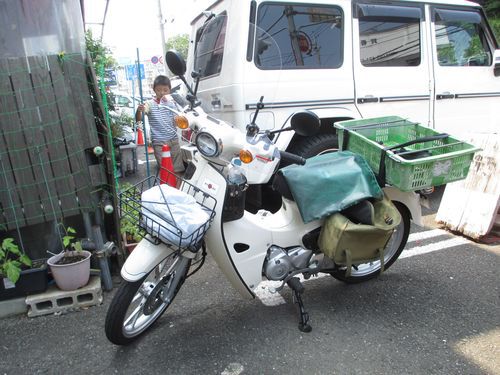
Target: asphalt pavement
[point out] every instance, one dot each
(435, 311)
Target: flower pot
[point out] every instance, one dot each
(31, 281)
(129, 246)
(70, 276)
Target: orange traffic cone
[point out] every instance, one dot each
(167, 168)
(140, 137)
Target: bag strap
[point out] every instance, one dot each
(348, 262)
(381, 257)
(345, 140)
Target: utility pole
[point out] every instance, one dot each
(292, 29)
(162, 31)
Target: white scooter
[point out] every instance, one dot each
(248, 247)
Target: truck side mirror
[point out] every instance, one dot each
(496, 63)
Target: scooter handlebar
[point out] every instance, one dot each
(292, 158)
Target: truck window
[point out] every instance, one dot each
(305, 36)
(209, 47)
(389, 35)
(460, 38)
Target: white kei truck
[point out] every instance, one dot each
(436, 62)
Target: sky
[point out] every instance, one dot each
(132, 24)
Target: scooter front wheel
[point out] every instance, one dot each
(395, 246)
(137, 305)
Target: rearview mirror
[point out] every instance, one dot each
(175, 62)
(305, 123)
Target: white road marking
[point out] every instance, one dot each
(427, 234)
(441, 245)
(233, 369)
(274, 299)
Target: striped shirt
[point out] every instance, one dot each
(161, 121)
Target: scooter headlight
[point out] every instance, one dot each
(207, 145)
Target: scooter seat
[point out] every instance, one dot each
(281, 186)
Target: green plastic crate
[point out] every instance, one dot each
(417, 166)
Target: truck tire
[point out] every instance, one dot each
(316, 145)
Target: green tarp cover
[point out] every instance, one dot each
(329, 183)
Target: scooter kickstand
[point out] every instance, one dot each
(297, 287)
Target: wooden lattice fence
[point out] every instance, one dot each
(47, 129)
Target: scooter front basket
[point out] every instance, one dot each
(160, 213)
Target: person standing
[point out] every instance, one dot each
(161, 122)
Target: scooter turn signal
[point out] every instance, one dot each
(246, 156)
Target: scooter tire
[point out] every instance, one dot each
(364, 272)
(123, 299)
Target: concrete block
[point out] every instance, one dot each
(55, 300)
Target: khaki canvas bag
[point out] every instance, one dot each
(348, 243)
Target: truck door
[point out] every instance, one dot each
(391, 65)
(467, 91)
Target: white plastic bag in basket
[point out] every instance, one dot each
(185, 213)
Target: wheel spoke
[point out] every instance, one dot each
(141, 293)
(134, 316)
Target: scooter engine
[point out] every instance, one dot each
(280, 262)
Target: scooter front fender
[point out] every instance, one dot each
(143, 259)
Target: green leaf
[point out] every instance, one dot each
(70, 230)
(67, 240)
(9, 245)
(2, 254)
(25, 260)
(14, 250)
(12, 272)
(77, 246)
(7, 242)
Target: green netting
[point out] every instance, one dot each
(108, 122)
(48, 125)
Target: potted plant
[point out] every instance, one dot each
(129, 219)
(71, 267)
(130, 233)
(19, 275)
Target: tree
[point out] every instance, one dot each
(492, 8)
(180, 43)
(99, 53)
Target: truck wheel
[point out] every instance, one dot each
(316, 145)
